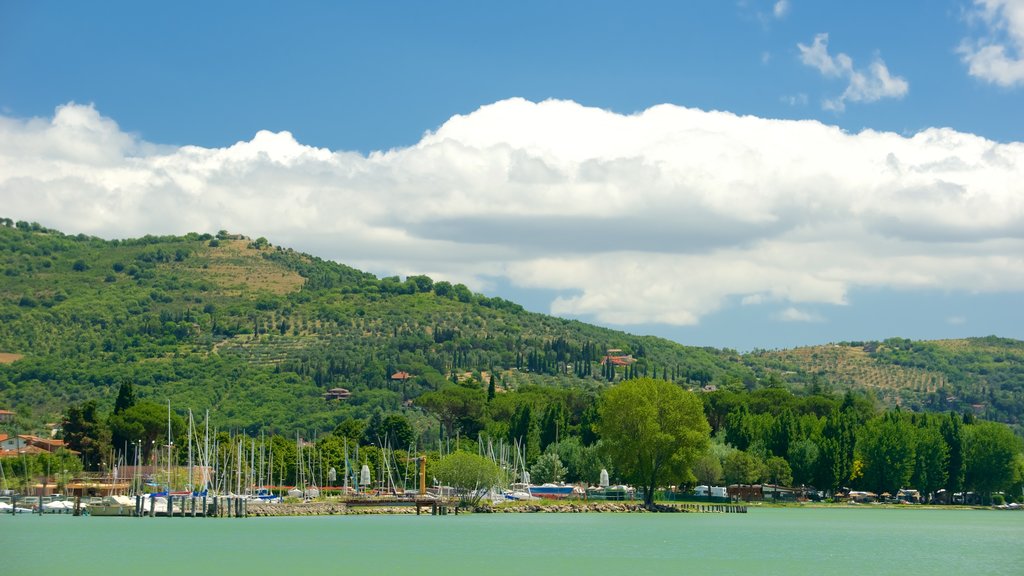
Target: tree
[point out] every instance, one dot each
(835, 459)
(582, 463)
(146, 422)
(931, 460)
(653, 431)
(803, 457)
(777, 471)
(458, 408)
(125, 400)
(991, 449)
(393, 430)
(552, 424)
(708, 469)
(469, 474)
(86, 433)
(352, 429)
(548, 468)
(953, 434)
(886, 447)
(741, 467)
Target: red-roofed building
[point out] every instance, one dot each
(401, 376)
(6, 416)
(26, 444)
(618, 360)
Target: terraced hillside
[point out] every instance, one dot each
(980, 375)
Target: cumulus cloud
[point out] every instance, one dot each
(663, 216)
(997, 55)
(864, 84)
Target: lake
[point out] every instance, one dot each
(765, 541)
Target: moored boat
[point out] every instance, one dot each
(552, 491)
(113, 506)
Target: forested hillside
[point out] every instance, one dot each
(258, 334)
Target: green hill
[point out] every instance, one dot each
(257, 334)
(980, 375)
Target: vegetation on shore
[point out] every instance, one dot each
(97, 336)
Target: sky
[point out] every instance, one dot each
(730, 173)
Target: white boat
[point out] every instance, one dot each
(59, 507)
(6, 508)
(519, 491)
(113, 506)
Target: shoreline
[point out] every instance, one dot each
(339, 508)
(328, 508)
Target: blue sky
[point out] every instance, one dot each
(277, 121)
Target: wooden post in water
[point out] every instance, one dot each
(152, 507)
(423, 474)
(206, 511)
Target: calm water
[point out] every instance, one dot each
(778, 541)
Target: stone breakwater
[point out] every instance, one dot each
(329, 508)
(577, 508)
(324, 508)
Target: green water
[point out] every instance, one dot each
(771, 541)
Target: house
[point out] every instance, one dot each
(26, 444)
(6, 416)
(14, 443)
(48, 444)
(615, 357)
(401, 376)
(337, 394)
(618, 360)
(745, 492)
(779, 493)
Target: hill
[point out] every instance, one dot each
(980, 375)
(258, 334)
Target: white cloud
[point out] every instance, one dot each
(666, 215)
(793, 314)
(956, 320)
(764, 11)
(780, 9)
(864, 85)
(795, 99)
(997, 55)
